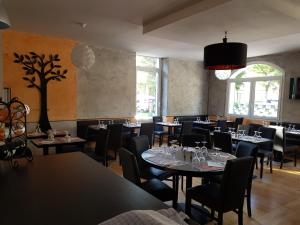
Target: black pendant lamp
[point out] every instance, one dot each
(225, 56)
(4, 20)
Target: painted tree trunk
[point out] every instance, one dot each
(44, 120)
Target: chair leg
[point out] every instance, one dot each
(220, 218)
(182, 183)
(261, 166)
(281, 162)
(256, 164)
(160, 140)
(240, 216)
(271, 164)
(249, 202)
(188, 204)
(295, 158)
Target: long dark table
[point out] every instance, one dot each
(67, 189)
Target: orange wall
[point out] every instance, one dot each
(62, 96)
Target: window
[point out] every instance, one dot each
(147, 87)
(255, 91)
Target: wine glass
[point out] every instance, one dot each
(204, 149)
(293, 129)
(197, 144)
(259, 134)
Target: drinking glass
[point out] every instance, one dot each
(290, 127)
(38, 129)
(204, 149)
(293, 129)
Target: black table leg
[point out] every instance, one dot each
(45, 150)
(169, 135)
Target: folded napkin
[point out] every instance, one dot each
(146, 217)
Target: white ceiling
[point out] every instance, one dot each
(267, 26)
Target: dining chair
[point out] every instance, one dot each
(205, 133)
(185, 129)
(190, 140)
(100, 153)
(226, 196)
(246, 128)
(244, 149)
(115, 137)
(153, 186)
(281, 145)
(238, 121)
(222, 124)
(254, 127)
(139, 145)
(266, 150)
(223, 141)
(147, 129)
(159, 131)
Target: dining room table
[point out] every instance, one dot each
(57, 142)
(252, 139)
(171, 126)
(68, 189)
(41, 134)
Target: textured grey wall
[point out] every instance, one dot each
(108, 88)
(186, 85)
(288, 61)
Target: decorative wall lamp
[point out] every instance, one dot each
(224, 57)
(4, 21)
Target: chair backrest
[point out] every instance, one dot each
(238, 121)
(253, 127)
(102, 138)
(234, 182)
(157, 119)
(186, 128)
(222, 124)
(115, 136)
(279, 140)
(223, 140)
(244, 149)
(246, 128)
(129, 166)
(147, 129)
(190, 139)
(267, 132)
(137, 146)
(205, 133)
(203, 117)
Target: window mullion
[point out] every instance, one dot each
(252, 98)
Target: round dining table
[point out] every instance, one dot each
(181, 160)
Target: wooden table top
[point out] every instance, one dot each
(69, 189)
(33, 135)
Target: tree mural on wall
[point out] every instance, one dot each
(45, 69)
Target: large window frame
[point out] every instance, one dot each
(155, 70)
(253, 81)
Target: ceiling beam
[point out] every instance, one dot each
(194, 7)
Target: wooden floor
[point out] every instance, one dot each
(275, 197)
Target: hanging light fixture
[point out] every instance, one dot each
(4, 20)
(222, 74)
(225, 56)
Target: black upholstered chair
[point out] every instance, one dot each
(266, 150)
(238, 121)
(205, 133)
(281, 145)
(190, 139)
(158, 130)
(223, 141)
(100, 154)
(138, 145)
(254, 127)
(153, 186)
(115, 137)
(226, 196)
(147, 129)
(185, 129)
(222, 124)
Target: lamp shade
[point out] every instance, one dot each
(4, 21)
(225, 56)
